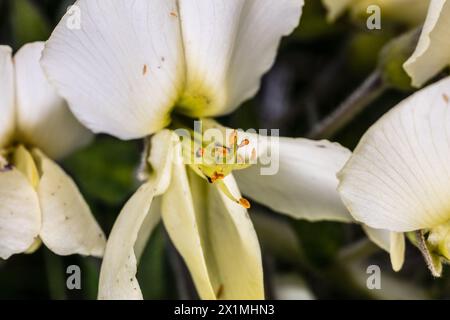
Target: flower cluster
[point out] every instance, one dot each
(154, 70)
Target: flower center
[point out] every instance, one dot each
(216, 152)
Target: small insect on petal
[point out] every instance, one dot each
(245, 203)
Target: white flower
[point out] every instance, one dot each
(399, 175)
(134, 65)
(38, 201)
(432, 53)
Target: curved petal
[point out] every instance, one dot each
(20, 215)
(123, 69)
(7, 117)
(303, 182)
(378, 236)
(44, 119)
(68, 225)
(392, 242)
(432, 53)
(215, 236)
(229, 45)
(119, 267)
(398, 177)
(229, 241)
(397, 250)
(178, 215)
(134, 225)
(234, 244)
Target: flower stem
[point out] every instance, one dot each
(363, 96)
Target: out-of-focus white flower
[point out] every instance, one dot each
(432, 53)
(38, 201)
(398, 178)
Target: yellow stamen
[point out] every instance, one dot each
(223, 187)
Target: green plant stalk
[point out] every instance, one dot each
(372, 88)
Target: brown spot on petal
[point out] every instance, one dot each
(144, 70)
(174, 14)
(446, 98)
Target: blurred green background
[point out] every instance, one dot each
(318, 67)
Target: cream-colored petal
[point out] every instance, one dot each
(123, 70)
(134, 225)
(180, 220)
(229, 45)
(229, 241)
(68, 226)
(397, 250)
(118, 273)
(398, 177)
(44, 119)
(24, 162)
(432, 53)
(20, 216)
(234, 244)
(304, 186)
(148, 225)
(392, 242)
(7, 117)
(378, 236)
